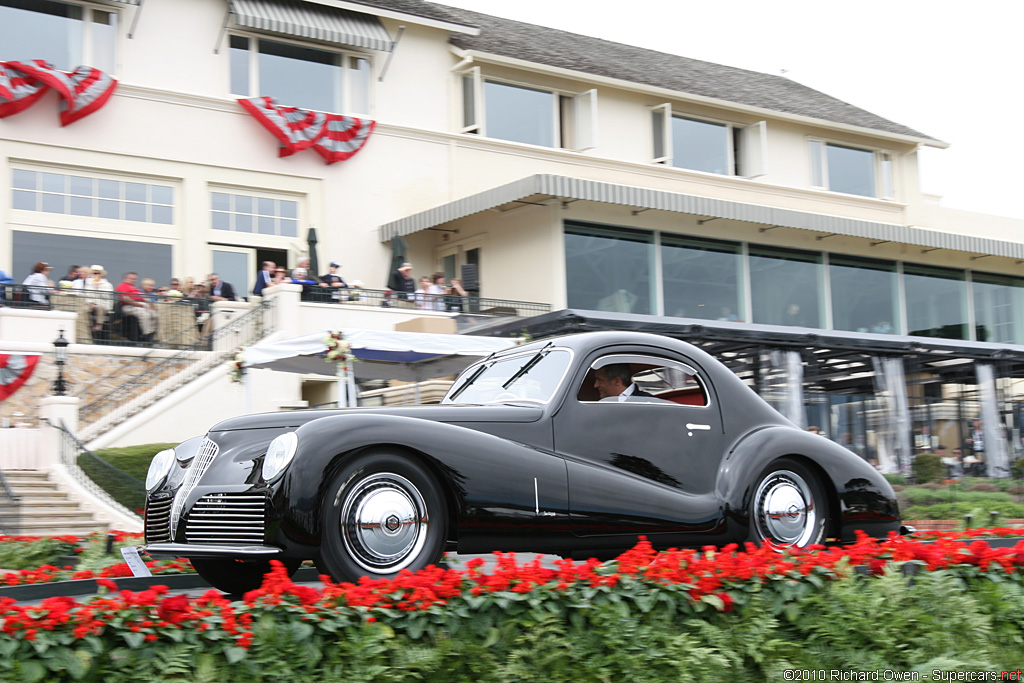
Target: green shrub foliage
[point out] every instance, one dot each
(710, 615)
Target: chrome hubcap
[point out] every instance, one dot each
(384, 523)
(784, 510)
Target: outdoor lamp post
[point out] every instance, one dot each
(60, 352)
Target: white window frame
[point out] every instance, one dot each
(255, 237)
(88, 56)
(343, 54)
(574, 114)
(884, 166)
(751, 158)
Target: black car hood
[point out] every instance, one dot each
(437, 413)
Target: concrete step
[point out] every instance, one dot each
(30, 528)
(45, 507)
(26, 475)
(32, 485)
(32, 497)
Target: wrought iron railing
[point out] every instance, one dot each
(154, 382)
(103, 317)
(10, 509)
(72, 452)
(449, 303)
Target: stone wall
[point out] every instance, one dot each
(89, 376)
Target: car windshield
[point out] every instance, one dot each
(523, 377)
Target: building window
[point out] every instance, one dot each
(522, 113)
(850, 170)
(300, 76)
(786, 287)
(865, 294)
(998, 302)
(936, 302)
(65, 35)
(708, 146)
(701, 278)
(79, 195)
(609, 269)
(260, 215)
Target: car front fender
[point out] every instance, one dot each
(493, 485)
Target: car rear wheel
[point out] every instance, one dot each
(384, 513)
(236, 577)
(788, 508)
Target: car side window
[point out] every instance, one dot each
(628, 378)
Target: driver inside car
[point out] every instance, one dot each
(615, 383)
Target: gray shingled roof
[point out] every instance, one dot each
(566, 50)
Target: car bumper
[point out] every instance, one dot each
(226, 551)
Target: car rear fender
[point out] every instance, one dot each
(859, 496)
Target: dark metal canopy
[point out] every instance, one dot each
(834, 360)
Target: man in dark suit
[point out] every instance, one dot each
(264, 278)
(220, 290)
(615, 383)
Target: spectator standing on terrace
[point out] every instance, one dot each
(424, 299)
(300, 276)
(133, 303)
(220, 290)
(304, 264)
(280, 276)
(401, 281)
(264, 278)
(453, 296)
(39, 283)
(174, 289)
(99, 293)
(334, 281)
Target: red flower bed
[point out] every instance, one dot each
(713, 577)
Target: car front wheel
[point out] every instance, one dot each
(788, 508)
(384, 513)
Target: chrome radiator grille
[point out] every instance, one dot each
(202, 461)
(158, 517)
(227, 518)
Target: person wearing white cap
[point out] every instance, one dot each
(100, 294)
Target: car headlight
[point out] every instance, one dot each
(279, 454)
(159, 468)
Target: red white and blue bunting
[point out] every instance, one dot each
(332, 136)
(82, 91)
(15, 369)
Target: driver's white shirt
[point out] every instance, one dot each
(624, 396)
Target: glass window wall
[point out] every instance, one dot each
(609, 269)
(786, 287)
(701, 278)
(936, 302)
(998, 308)
(865, 294)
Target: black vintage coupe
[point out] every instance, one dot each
(537, 449)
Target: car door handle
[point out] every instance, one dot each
(690, 425)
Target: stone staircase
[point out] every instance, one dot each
(46, 510)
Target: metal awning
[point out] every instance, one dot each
(314, 22)
(834, 360)
(544, 187)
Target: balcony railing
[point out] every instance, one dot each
(10, 509)
(104, 317)
(447, 303)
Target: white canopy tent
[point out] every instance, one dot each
(407, 356)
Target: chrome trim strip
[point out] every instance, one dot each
(189, 550)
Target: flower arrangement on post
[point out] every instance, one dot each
(236, 366)
(339, 351)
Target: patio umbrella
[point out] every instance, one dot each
(398, 249)
(314, 263)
